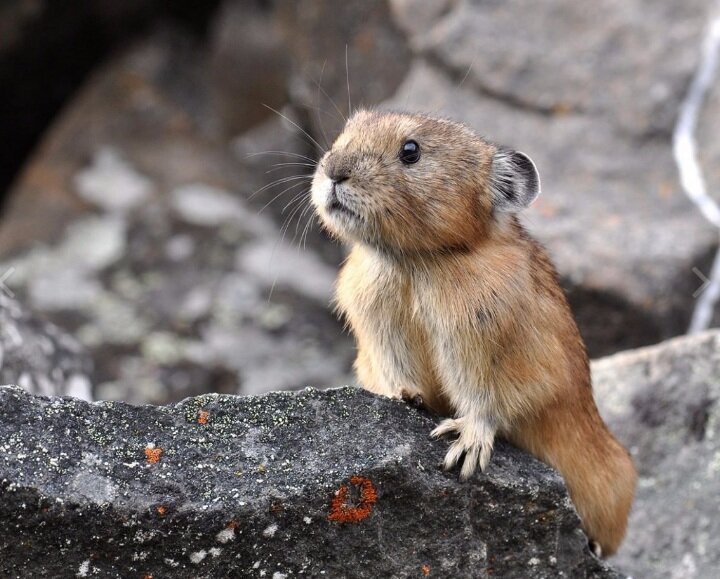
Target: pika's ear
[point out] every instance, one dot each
(514, 181)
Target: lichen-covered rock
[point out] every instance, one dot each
(39, 356)
(663, 403)
(338, 483)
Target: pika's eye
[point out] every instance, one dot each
(410, 152)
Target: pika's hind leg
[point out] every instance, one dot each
(476, 437)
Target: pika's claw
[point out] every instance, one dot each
(446, 426)
(596, 549)
(475, 440)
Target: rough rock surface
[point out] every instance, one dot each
(320, 484)
(39, 356)
(133, 231)
(663, 402)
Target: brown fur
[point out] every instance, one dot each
(454, 301)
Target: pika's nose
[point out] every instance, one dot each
(337, 171)
(340, 177)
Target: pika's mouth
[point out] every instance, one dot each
(336, 206)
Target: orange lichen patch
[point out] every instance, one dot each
(425, 570)
(147, 577)
(342, 512)
(203, 416)
(153, 454)
(161, 510)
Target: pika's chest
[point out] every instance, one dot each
(414, 302)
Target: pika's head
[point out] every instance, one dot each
(409, 183)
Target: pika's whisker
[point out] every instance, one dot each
(297, 223)
(298, 197)
(303, 131)
(317, 108)
(264, 207)
(288, 221)
(332, 101)
(304, 212)
(307, 230)
(285, 153)
(280, 182)
(280, 166)
(347, 77)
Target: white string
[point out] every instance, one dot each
(691, 176)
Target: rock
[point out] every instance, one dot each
(249, 64)
(662, 402)
(323, 484)
(134, 227)
(595, 106)
(48, 48)
(39, 356)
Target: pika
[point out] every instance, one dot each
(451, 300)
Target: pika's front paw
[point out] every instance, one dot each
(475, 441)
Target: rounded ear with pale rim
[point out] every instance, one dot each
(514, 181)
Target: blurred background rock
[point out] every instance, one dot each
(154, 259)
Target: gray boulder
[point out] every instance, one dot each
(39, 356)
(662, 402)
(338, 483)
